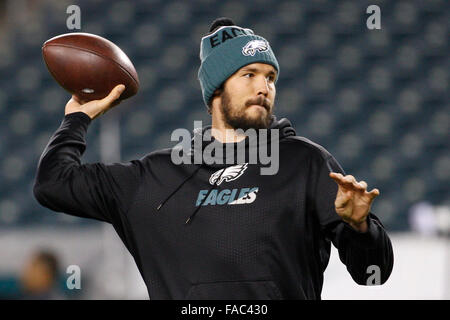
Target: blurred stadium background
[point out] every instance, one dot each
(376, 99)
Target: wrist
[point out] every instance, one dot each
(361, 227)
(78, 116)
(79, 111)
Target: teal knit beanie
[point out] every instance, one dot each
(225, 51)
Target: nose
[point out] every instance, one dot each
(262, 86)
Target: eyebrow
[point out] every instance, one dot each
(271, 72)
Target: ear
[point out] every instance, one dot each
(215, 102)
(218, 92)
(216, 96)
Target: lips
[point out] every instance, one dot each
(259, 101)
(258, 105)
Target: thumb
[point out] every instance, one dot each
(342, 199)
(112, 96)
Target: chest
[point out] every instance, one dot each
(236, 204)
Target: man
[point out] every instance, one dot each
(223, 231)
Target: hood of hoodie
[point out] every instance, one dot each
(202, 139)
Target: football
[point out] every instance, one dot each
(89, 66)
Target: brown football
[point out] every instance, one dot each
(89, 66)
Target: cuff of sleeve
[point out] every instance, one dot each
(368, 239)
(81, 116)
(75, 123)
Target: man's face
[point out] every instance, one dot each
(248, 97)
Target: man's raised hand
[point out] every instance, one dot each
(95, 108)
(353, 201)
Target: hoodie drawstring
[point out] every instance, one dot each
(178, 188)
(191, 217)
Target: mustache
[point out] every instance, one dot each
(262, 101)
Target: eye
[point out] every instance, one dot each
(271, 78)
(248, 75)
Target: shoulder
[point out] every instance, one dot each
(152, 158)
(139, 167)
(157, 154)
(308, 147)
(159, 158)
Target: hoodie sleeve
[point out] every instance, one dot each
(97, 191)
(362, 253)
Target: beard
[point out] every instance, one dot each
(237, 118)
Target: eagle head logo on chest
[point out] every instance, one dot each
(227, 174)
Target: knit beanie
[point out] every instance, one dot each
(227, 49)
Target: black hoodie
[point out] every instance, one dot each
(199, 231)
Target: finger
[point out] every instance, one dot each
(373, 194)
(363, 184)
(349, 182)
(336, 177)
(349, 179)
(75, 98)
(360, 186)
(73, 101)
(78, 100)
(345, 182)
(112, 96)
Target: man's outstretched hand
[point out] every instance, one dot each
(95, 108)
(353, 201)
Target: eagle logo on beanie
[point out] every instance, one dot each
(255, 45)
